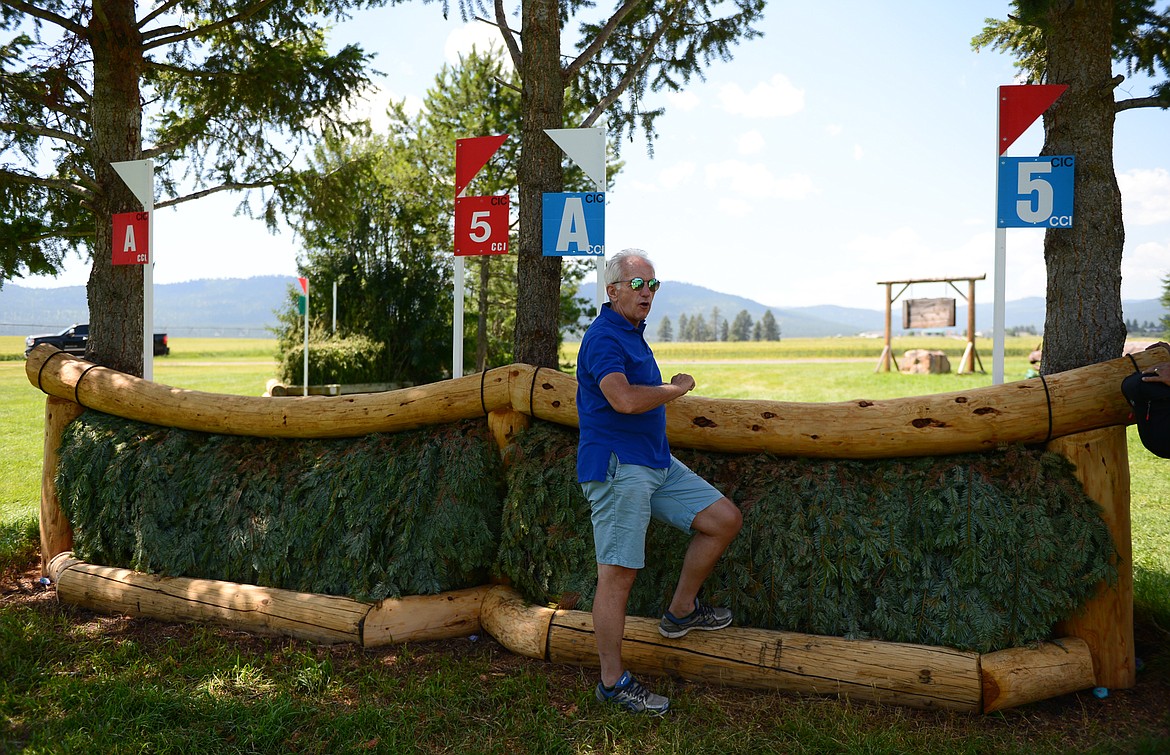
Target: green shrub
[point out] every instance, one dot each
(347, 361)
(974, 551)
(380, 516)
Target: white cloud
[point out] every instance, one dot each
(1142, 270)
(676, 175)
(685, 101)
(372, 106)
(1145, 195)
(858, 152)
(757, 180)
(751, 142)
(736, 208)
(834, 129)
(774, 98)
(482, 37)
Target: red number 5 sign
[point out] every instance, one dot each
(481, 225)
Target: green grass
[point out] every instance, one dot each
(71, 681)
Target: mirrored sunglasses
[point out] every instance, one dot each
(637, 283)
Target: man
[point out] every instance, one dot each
(628, 475)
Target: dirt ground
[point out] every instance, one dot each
(1077, 722)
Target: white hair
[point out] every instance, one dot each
(615, 265)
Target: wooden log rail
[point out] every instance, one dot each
(918, 676)
(1079, 413)
(1029, 411)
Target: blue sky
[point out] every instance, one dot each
(838, 150)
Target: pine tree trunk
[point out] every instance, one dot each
(115, 292)
(1083, 323)
(539, 171)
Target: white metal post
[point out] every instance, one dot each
(148, 283)
(306, 355)
(457, 324)
(998, 317)
(599, 297)
(138, 175)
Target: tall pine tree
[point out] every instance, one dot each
(219, 93)
(1076, 43)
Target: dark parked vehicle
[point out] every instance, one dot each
(74, 338)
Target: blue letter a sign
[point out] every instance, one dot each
(573, 224)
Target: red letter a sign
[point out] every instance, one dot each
(131, 238)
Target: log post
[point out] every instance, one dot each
(505, 424)
(326, 619)
(518, 625)
(1106, 623)
(56, 531)
(419, 618)
(1018, 676)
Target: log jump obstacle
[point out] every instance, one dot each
(1080, 414)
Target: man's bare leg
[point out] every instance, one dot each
(609, 618)
(715, 527)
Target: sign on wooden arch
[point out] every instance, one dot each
(931, 313)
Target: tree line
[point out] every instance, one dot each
(698, 328)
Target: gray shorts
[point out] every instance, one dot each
(624, 502)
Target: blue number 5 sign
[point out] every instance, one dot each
(1035, 192)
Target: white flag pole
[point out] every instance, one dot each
(138, 175)
(306, 355)
(1000, 275)
(457, 322)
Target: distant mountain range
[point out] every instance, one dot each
(827, 320)
(237, 307)
(245, 307)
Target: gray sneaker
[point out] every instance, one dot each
(632, 696)
(704, 617)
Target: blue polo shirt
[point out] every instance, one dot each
(612, 344)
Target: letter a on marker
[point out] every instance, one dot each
(573, 228)
(131, 245)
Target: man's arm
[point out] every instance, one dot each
(635, 399)
(1160, 372)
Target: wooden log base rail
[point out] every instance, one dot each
(917, 676)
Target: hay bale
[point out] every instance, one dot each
(925, 361)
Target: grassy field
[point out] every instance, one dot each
(71, 681)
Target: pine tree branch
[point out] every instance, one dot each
(48, 133)
(52, 18)
(30, 91)
(632, 73)
(508, 35)
(233, 186)
(602, 37)
(199, 31)
(1136, 102)
(160, 10)
(68, 233)
(48, 183)
(161, 31)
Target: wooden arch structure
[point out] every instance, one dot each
(970, 355)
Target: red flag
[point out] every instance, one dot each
(1019, 107)
(304, 284)
(471, 155)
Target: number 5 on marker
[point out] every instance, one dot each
(1035, 192)
(481, 225)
